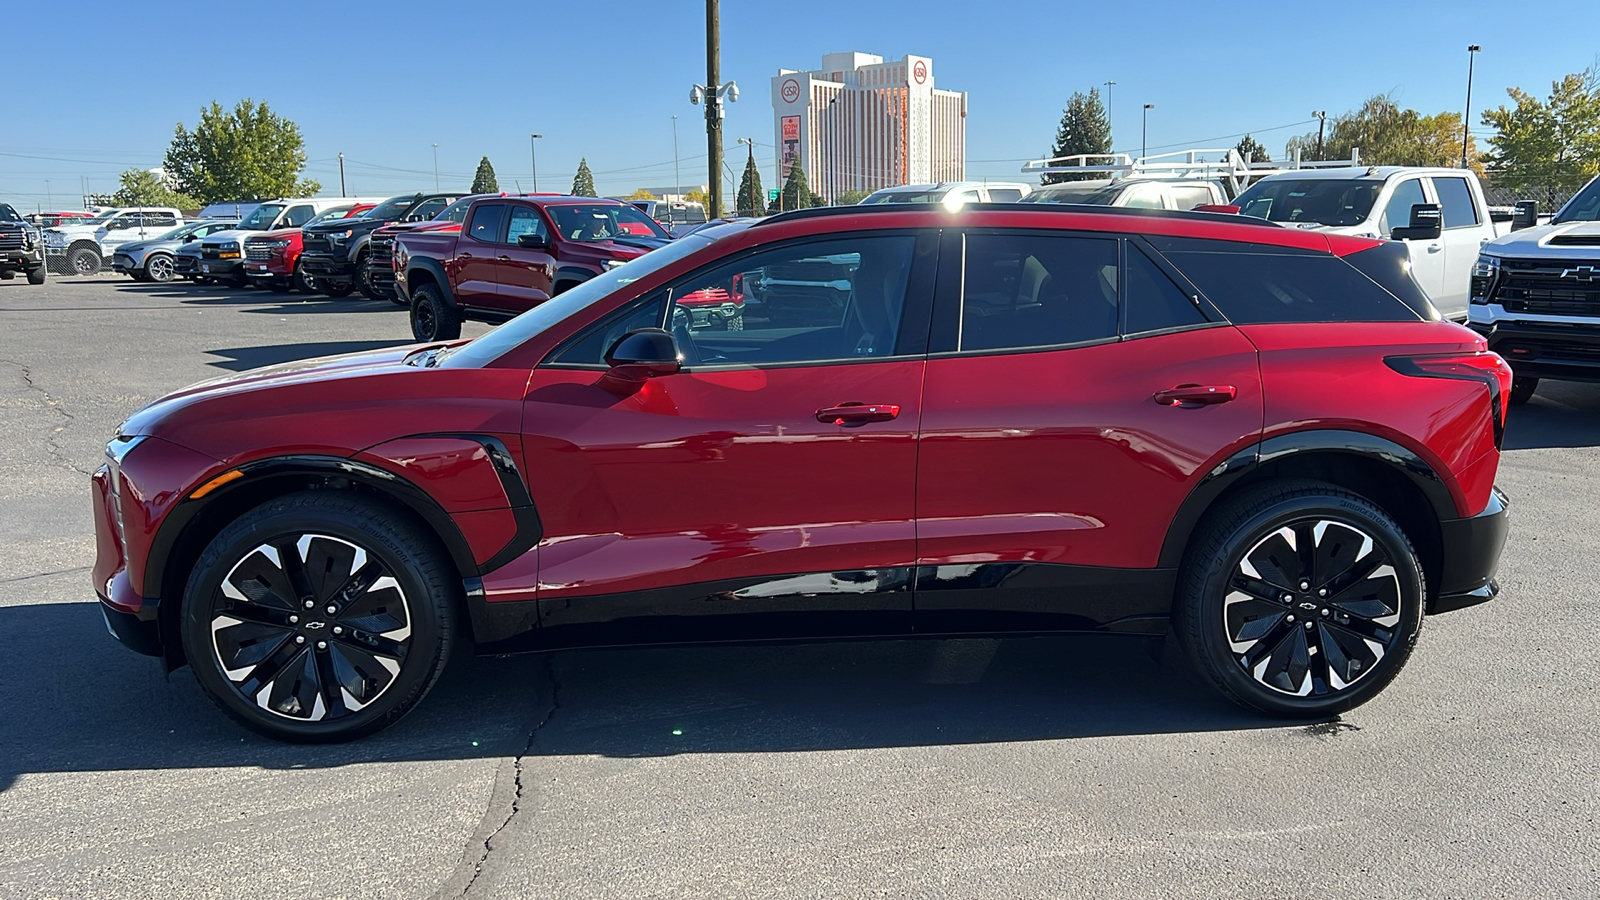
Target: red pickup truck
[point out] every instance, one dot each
(514, 252)
(272, 258)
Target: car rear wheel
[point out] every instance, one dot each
(159, 267)
(432, 317)
(83, 261)
(1522, 388)
(319, 617)
(1300, 599)
(37, 276)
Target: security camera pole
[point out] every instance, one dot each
(714, 108)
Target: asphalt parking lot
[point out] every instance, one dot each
(1071, 766)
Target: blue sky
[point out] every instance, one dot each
(383, 82)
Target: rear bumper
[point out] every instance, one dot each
(1471, 555)
(1557, 350)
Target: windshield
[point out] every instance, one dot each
(906, 197)
(338, 212)
(513, 333)
(1583, 207)
(7, 214)
(1325, 201)
(181, 232)
(262, 218)
(603, 221)
(455, 212)
(1099, 195)
(392, 208)
(100, 219)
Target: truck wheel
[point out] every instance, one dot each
(363, 277)
(301, 281)
(83, 261)
(1522, 388)
(238, 280)
(278, 284)
(336, 288)
(159, 267)
(432, 318)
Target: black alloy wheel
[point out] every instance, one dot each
(1300, 599)
(432, 317)
(84, 261)
(319, 616)
(364, 277)
(159, 267)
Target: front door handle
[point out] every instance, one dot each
(1434, 248)
(1192, 395)
(854, 413)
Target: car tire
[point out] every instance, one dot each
(37, 276)
(83, 261)
(364, 278)
(159, 267)
(301, 281)
(278, 285)
(1292, 631)
(432, 317)
(255, 610)
(336, 288)
(1522, 388)
(238, 280)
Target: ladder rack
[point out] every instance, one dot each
(1233, 169)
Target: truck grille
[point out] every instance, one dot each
(11, 239)
(260, 252)
(1538, 286)
(315, 243)
(380, 251)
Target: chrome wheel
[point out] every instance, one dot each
(159, 268)
(310, 628)
(1312, 608)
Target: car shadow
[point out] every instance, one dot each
(1560, 414)
(271, 302)
(238, 359)
(73, 702)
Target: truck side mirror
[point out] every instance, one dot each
(1427, 223)
(1526, 215)
(532, 240)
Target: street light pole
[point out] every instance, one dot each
(1322, 122)
(677, 179)
(436, 167)
(533, 159)
(341, 175)
(751, 167)
(1109, 86)
(1144, 134)
(1466, 117)
(713, 108)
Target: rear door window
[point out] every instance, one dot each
(1032, 290)
(1455, 202)
(1004, 195)
(1257, 287)
(486, 222)
(1188, 196)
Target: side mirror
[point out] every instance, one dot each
(116, 225)
(638, 356)
(1526, 215)
(1217, 208)
(190, 237)
(532, 241)
(1427, 223)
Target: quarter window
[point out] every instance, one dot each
(1258, 288)
(1455, 202)
(1154, 302)
(1037, 291)
(486, 222)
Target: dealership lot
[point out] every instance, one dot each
(1034, 767)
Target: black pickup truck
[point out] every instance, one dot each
(335, 253)
(21, 247)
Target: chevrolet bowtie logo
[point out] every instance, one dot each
(1581, 273)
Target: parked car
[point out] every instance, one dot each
(1536, 295)
(82, 247)
(222, 254)
(152, 260)
(336, 253)
(272, 258)
(21, 247)
(677, 217)
(952, 193)
(52, 219)
(1134, 193)
(380, 248)
(514, 253)
(1439, 214)
(1021, 421)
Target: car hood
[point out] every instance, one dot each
(274, 234)
(355, 223)
(628, 247)
(1573, 240)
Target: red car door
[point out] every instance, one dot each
(477, 257)
(1080, 396)
(524, 274)
(765, 491)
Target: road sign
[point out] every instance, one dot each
(772, 195)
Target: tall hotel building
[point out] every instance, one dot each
(859, 124)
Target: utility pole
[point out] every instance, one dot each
(1109, 86)
(436, 167)
(533, 159)
(714, 108)
(677, 180)
(341, 175)
(1322, 121)
(1144, 134)
(1466, 117)
(751, 167)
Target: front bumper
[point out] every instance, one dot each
(131, 618)
(186, 265)
(1565, 351)
(332, 268)
(1471, 555)
(124, 264)
(17, 260)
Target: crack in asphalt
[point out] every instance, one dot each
(53, 404)
(516, 764)
(17, 578)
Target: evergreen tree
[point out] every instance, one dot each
(1084, 129)
(850, 198)
(484, 182)
(583, 182)
(796, 194)
(751, 199)
(1251, 150)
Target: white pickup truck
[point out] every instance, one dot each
(1440, 214)
(81, 247)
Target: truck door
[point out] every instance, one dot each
(1427, 256)
(1462, 236)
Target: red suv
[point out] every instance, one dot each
(272, 258)
(1007, 419)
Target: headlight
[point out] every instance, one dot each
(1485, 272)
(341, 236)
(613, 263)
(116, 451)
(54, 239)
(231, 245)
(279, 245)
(1486, 267)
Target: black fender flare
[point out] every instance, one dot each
(1236, 467)
(436, 270)
(574, 274)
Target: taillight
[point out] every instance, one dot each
(1484, 367)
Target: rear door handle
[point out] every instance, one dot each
(1192, 395)
(854, 413)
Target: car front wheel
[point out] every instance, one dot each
(319, 617)
(159, 267)
(1300, 599)
(1522, 388)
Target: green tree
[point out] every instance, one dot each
(640, 194)
(250, 153)
(1084, 128)
(142, 188)
(484, 181)
(1252, 150)
(697, 195)
(751, 200)
(796, 193)
(1552, 144)
(1390, 136)
(583, 182)
(850, 198)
